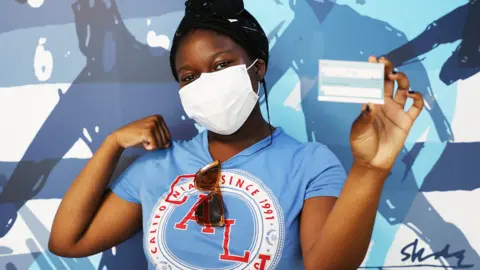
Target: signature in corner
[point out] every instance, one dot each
(411, 253)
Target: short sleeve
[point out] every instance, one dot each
(127, 185)
(326, 175)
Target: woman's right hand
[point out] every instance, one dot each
(151, 132)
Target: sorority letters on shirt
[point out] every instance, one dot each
(252, 238)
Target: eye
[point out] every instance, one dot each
(188, 78)
(222, 65)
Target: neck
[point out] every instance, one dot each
(253, 130)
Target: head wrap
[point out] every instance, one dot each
(228, 17)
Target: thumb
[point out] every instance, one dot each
(364, 120)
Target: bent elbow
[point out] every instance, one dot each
(55, 248)
(58, 248)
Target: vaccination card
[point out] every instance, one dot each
(352, 82)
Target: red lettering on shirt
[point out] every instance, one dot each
(173, 193)
(263, 261)
(223, 179)
(190, 216)
(226, 256)
(240, 183)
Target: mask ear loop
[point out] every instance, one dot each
(258, 94)
(254, 62)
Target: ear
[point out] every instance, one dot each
(260, 69)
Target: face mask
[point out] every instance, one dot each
(220, 101)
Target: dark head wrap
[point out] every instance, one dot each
(228, 17)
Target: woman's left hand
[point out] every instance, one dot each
(379, 133)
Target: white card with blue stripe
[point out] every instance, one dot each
(351, 82)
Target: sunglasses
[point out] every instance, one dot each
(210, 210)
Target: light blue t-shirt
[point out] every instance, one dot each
(263, 191)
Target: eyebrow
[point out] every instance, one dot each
(215, 55)
(220, 53)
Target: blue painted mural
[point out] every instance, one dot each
(71, 72)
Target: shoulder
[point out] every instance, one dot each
(304, 151)
(317, 159)
(178, 150)
(177, 147)
(314, 164)
(319, 152)
(307, 158)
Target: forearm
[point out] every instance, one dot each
(85, 195)
(345, 237)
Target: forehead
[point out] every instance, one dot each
(202, 42)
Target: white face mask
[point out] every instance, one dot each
(220, 101)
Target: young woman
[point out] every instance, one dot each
(282, 204)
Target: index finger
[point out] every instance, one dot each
(165, 129)
(388, 65)
(372, 59)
